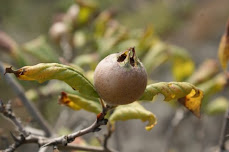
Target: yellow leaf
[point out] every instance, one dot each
(133, 111)
(76, 102)
(223, 51)
(183, 65)
(186, 93)
(193, 101)
(182, 69)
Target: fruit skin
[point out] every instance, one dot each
(120, 82)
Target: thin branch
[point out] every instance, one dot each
(7, 112)
(64, 140)
(60, 142)
(178, 117)
(224, 133)
(17, 88)
(107, 136)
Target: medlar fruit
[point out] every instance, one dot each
(120, 78)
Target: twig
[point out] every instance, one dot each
(107, 136)
(17, 88)
(64, 140)
(179, 115)
(42, 140)
(60, 142)
(224, 133)
(7, 112)
(117, 138)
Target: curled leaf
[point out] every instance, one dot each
(47, 71)
(223, 51)
(133, 111)
(193, 101)
(184, 92)
(77, 103)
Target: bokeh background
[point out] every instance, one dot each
(196, 25)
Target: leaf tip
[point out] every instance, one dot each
(193, 101)
(17, 73)
(64, 98)
(152, 122)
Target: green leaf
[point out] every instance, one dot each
(106, 44)
(213, 85)
(85, 60)
(47, 71)
(76, 102)
(146, 39)
(54, 87)
(101, 23)
(133, 111)
(185, 93)
(157, 55)
(40, 49)
(217, 106)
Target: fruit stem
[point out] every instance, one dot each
(102, 103)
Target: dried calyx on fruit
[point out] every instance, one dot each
(120, 78)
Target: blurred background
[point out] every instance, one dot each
(196, 26)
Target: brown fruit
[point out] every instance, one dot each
(120, 78)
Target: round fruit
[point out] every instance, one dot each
(120, 78)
